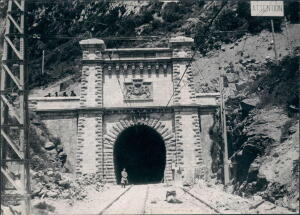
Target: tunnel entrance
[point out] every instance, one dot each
(141, 150)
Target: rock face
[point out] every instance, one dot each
(262, 132)
(263, 163)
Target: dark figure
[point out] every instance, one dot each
(48, 95)
(124, 179)
(65, 94)
(56, 94)
(72, 93)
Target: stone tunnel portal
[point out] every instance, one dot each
(141, 150)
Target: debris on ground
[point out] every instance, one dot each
(53, 184)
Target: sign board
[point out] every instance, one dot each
(267, 8)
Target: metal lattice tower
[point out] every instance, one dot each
(14, 147)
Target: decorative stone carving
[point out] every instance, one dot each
(138, 90)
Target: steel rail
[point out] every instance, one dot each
(114, 201)
(201, 200)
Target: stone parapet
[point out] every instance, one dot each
(53, 103)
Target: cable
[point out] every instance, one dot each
(193, 55)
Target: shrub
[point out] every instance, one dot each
(280, 84)
(171, 12)
(285, 130)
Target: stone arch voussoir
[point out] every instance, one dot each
(111, 136)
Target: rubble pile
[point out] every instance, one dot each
(46, 149)
(50, 183)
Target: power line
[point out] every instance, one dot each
(193, 55)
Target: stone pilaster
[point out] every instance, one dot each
(99, 144)
(183, 81)
(178, 135)
(92, 76)
(87, 146)
(200, 166)
(89, 150)
(80, 144)
(188, 145)
(99, 86)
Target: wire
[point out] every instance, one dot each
(193, 55)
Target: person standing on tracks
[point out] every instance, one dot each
(124, 179)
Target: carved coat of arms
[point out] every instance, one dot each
(138, 90)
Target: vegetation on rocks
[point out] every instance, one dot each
(263, 100)
(46, 150)
(57, 27)
(262, 119)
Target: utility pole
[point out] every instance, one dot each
(43, 62)
(288, 36)
(15, 182)
(274, 43)
(224, 130)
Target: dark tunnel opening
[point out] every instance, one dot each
(141, 150)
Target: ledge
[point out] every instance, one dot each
(54, 98)
(138, 50)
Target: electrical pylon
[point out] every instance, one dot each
(14, 146)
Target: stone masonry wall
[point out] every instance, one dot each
(91, 86)
(113, 132)
(96, 138)
(89, 142)
(189, 150)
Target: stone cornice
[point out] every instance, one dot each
(137, 60)
(151, 109)
(139, 50)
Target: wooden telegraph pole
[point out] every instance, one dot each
(14, 176)
(274, 42)
(268, 9)
(43, 62)
(224, 130)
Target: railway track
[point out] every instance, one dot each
(201, 200)
(132, 201)
(138, 199)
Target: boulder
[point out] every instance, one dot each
(59, 148)
(57, 176)
(45, 179)
(49, 145)
(249, 103)
(42, 205)
(52, 194)
(65, 195)
(232, 77)
(36, 188)
(65, 183)
(241, 85)
(50, 173)
(171, 196)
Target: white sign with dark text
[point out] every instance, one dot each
(267, 8)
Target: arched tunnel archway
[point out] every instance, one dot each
(141, 150)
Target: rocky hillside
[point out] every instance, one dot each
(262, 98)
(57, 26)
(263, 128)
(264, 135)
